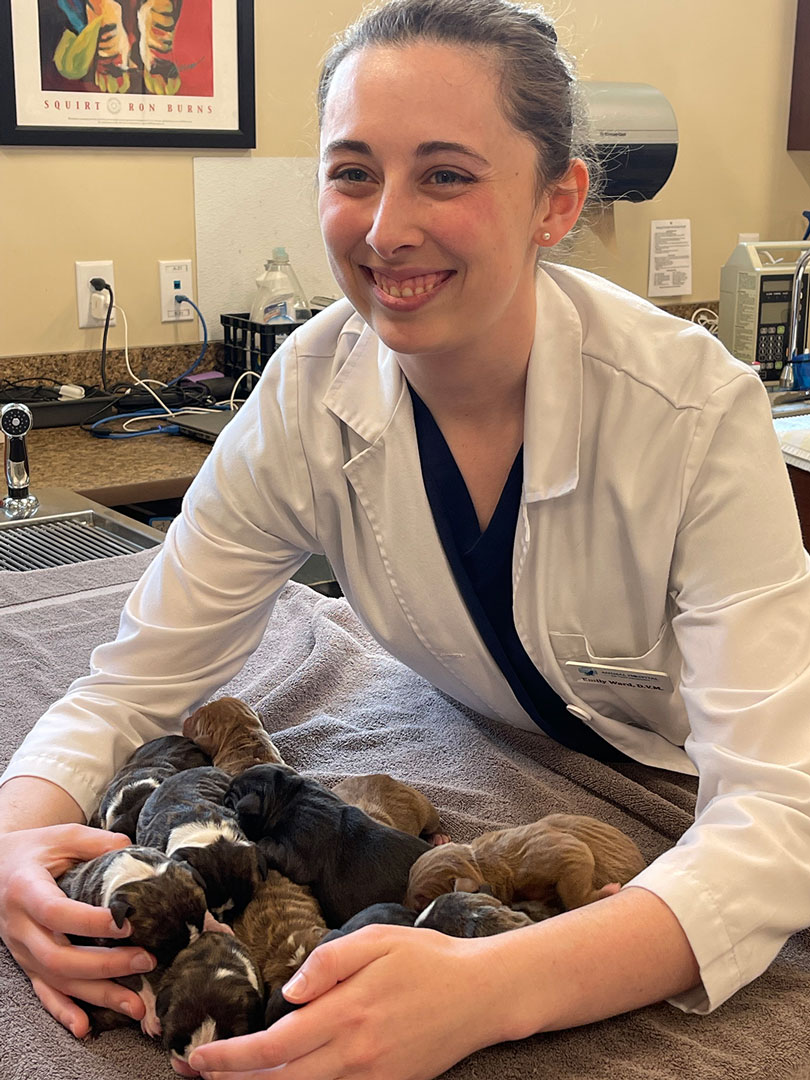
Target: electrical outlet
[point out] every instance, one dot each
(175, 277)
(84, 293)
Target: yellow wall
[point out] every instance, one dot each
(724, 66)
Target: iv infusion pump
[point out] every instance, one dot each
(754, 314)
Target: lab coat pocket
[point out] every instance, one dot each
(641, 690)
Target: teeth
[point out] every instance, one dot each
(416, 285)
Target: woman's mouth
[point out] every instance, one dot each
(406, 292)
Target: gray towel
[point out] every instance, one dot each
(338, 704)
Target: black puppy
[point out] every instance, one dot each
(186, 818)
(135, 781)
(390, 914)
(348, 860)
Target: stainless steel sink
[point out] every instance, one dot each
(68, 528)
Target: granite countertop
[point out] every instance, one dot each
(114, 471)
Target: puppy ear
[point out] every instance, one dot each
(484, 887)
(249, 813)
(262, 865)
(120, 909)
(465, 884)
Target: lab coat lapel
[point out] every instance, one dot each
(385, 474)
(553, 396)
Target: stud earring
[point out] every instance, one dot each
(546, 235)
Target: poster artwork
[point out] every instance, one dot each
(152, 48)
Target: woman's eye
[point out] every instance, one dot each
(445, 177)
(353, 176)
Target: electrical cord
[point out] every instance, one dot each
(180, 298)
(99, 284)
(706, 318)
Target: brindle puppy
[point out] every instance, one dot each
(186, 818)
(562, 858)
(311, 836)
(137, 779)
(162, 898)
(393, 803)
(212, 991)
(281, 926)
(232, 734)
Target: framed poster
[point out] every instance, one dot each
(174, 73)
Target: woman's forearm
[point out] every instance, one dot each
(28, 802)
(609, 957)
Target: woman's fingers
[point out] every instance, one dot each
(329, 964)
(62, 1009)
(49, 953)
(49, 907)
(58, 1000)
(65, 845)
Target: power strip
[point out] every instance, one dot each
(50, 414)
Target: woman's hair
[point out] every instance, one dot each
(539, 91)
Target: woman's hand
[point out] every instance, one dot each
(385, 1003)
(35, 916)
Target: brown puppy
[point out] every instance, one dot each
(232, 734)
(393, 803)
(281, 926)
(567, 858)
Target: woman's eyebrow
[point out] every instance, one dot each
(426, 149)
(354, 146)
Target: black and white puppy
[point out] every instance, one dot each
(186, 818)
(213, 990)
(348, 860)
(162, 898)
(465, 914)
(135, 781)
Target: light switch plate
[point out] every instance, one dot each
(85, 271)
(175, 277)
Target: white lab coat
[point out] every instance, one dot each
(657, 532)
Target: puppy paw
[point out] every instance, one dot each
(439, 838)
(608, 890)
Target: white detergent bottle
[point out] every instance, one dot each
(279, 296)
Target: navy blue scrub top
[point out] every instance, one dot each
(482, 566)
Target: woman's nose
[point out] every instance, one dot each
(396, 224)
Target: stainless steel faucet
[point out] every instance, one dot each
(787, 378)
(15, 422)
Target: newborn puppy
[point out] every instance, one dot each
(163, 899)
(212, 991)
(393, 803)
(185, 817)
(463, 914)
(281, 926)
(374, 915)
(310, 835)
(232, 734)
(566, 858)
(137, 779)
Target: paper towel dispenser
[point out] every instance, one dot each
(635, 136)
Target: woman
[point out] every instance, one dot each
(515, 475)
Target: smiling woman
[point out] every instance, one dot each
(519, 473)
